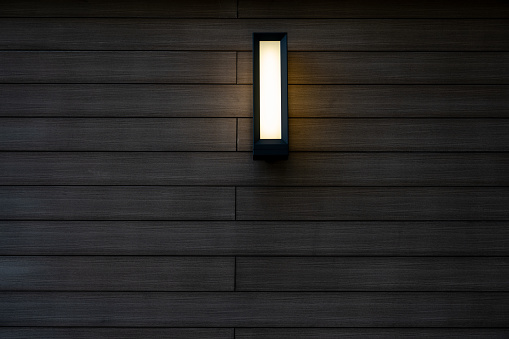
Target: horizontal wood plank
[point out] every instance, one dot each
(283, 309)
(117, 67)
(95, 273)
(118, 134)
(256, 9)
(236, 35)
(372, 9)
(114, 333)
(132, 100)
(389, 135)
(389, 68)
(378, 333)
(116, 203)
(371, 203)
(441, 101)
(186, 100)
(302, 238)
(119, 8)
(300, 169)
(371, 274)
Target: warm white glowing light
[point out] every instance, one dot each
(270, 90)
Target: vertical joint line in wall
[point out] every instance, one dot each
(234, 335)
(235, 275)
(236, 134)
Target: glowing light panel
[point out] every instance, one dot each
(270, 96)
(270, 90)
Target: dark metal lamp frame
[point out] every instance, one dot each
(270, 148)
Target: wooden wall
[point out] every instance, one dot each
(130, 206)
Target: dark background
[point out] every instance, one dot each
(130, 205)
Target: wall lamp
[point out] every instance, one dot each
(270, 95)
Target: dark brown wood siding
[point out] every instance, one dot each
(130, 206)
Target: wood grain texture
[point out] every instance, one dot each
(114, 333)
(301, 238)
(95, 273)
(117, 134)
(378, 333)
(131, 100)
(371, 274)
(238, 169)
(236, 35)
(388, 68)
(117, 67)
(283, 309)
(117, 203)
(257, 9)
(337, 101)
(130, 205)
(187, 100)
(118, 8)
(373, 9)
(371, 203)
(389, 135)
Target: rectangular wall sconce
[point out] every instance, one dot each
(270, 95)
